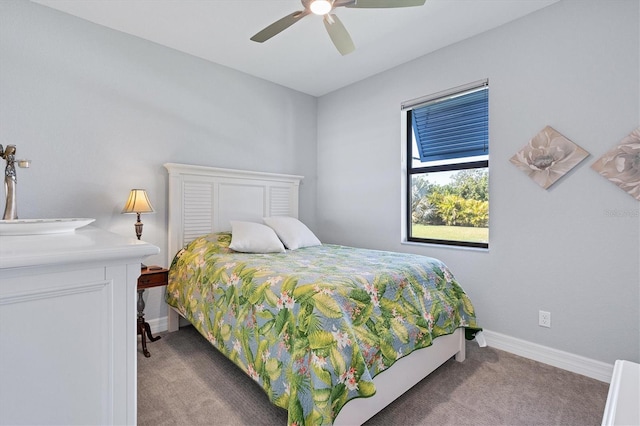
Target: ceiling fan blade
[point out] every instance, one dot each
(342, 3)
(386, 3)
(279, 26)
(339, 35)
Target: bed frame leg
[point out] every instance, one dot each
(173, 320)
(462, 352)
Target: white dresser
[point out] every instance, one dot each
(623, 400)
(68, 338)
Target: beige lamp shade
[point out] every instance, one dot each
(138, 202)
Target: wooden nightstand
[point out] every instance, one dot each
(152, 276)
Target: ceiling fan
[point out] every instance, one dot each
(338, 33)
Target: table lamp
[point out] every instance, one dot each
(137, 203)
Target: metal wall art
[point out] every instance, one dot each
(621, 165)
(548, 156)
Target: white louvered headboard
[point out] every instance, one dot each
(204, 199)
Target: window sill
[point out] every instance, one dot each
(444, 246)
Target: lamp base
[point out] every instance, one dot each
(138, 226)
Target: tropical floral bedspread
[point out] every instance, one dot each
(315, 325)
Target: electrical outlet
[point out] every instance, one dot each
(544, 319)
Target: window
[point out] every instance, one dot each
(447, 180)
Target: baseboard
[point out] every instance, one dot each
(567, 361)
(158, 325)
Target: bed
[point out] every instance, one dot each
(333, 334)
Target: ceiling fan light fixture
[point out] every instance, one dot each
(320, 7)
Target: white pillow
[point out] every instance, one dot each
(293, 233)
(250, 237)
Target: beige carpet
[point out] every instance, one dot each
(187, 382)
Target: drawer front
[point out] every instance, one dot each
(153, 279)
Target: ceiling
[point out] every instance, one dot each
(302, 57)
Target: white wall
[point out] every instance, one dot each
(99, 112)
(574, 66)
